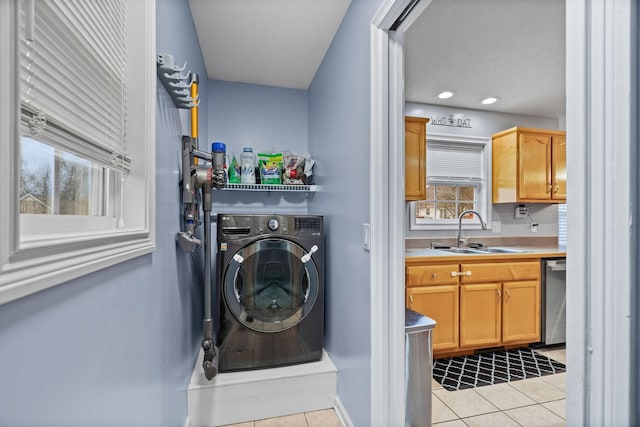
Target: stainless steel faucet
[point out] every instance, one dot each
(462, 214)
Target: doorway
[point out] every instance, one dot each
(603, 381)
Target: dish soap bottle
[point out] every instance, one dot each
(248, 163)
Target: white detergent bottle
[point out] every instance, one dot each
(247, 165)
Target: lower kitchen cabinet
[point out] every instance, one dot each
(480, 315)
(493, 314)
(479, 305)
(521, 312)
(441, 304)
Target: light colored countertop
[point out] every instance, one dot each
(528, 252)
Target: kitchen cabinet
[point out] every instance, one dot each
(499, 313)
(480, 315)
(477, 305)
(433, 290)
(521, 311)
(415, 158)
(441, 302)
(529, 165)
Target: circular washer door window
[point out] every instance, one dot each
(268, 287)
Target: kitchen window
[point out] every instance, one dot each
(77, 110)
(457, 180)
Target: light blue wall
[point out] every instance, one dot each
(485, 124)
(339, 105)
(267, 119)
(116, 347)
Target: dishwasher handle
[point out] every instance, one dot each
(557, 265)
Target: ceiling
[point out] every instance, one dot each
(511, 49)
(267, 42)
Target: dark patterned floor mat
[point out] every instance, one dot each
(496, 367)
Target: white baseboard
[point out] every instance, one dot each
(237, 397)
(342, 413)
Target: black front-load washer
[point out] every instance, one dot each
(270, 290)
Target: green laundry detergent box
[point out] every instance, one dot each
(270, 168)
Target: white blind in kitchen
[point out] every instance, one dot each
(72, 75)
(448, 161)
(562, 225)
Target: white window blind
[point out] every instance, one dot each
(72, 72)
(562, 225)
(454, 162)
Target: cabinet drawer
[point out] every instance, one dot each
(431, 274)
(499, 272)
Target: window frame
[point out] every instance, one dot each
(483, 191)
(34, 264)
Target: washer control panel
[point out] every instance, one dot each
(241, 226)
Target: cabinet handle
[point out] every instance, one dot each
(410, 301)
(499, 296)
(555, 188)
(549, 187)
(508, 295)
(434, 276)
(463, 273)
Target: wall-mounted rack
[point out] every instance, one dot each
(271, 187)
(176, 81)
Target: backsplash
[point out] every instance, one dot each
(542, 241)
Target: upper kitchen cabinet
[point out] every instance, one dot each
(529, 165)
(415, 158)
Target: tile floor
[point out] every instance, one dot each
(526, 403)
(324, 418)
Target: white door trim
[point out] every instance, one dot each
(601, 199)
(387, 213)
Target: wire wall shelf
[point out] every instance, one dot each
(271, 187)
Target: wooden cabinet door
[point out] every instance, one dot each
(480, 315)
(415, 158)
(521, 311)
(559, 168)
(534, 166)
(441, 304)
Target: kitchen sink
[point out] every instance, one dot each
(464, 251)
(503, 250)
(478, 251)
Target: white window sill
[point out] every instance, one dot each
(33, 269)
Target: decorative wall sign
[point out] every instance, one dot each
(453, 120)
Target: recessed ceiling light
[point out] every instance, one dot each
(445, 95)
(490, 100)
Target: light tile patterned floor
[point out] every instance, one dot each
(525, 403)
(324, 418)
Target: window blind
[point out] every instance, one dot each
(562, 225)
(454, 162)
(72, 75)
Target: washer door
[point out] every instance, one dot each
(269, 286)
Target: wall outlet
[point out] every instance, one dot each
(534, 227)
(496, 227)
(521, 212)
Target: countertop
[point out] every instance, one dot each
(528, 252)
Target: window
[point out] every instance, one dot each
(77, 143)
(457, 180)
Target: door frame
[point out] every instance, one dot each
(602, 321)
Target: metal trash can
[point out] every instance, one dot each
(418, 368)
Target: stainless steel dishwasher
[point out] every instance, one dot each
(554, 298)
